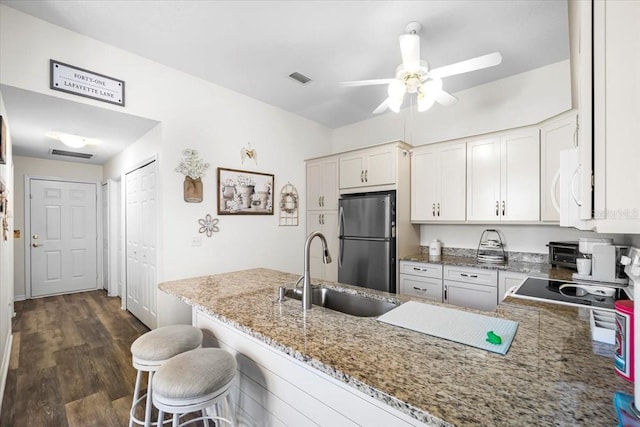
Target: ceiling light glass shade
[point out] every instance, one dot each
(73, 141)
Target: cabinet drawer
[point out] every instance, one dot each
(478, 276)
(421, 269)
(423, 287)
(470, 295)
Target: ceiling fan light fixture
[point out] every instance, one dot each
(396, 89)
(394, 104)
(73, 141)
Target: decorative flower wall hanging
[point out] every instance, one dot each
(193, 168)
(208, 225)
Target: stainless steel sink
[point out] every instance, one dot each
(355, 305)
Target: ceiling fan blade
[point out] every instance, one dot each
(444, 98)
(410, 50)
(366, 82)
(382, 107)
(473, 64)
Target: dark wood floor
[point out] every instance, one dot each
(70, 363)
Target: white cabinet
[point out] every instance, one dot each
(616, 112)
(322, 184)
(438, 183)
(507, 280)
(503, 177)
(555, 136)
(471, 287)
(421, 280)
(327, 223)
(368, 167)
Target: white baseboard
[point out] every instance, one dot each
(5, 366)
(19, 298)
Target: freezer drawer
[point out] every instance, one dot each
(367, 263)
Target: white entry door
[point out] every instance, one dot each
(140, 229)
(63, 225)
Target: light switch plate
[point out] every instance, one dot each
(196, 241)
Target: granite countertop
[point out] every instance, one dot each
(532, 268)
(550, 376)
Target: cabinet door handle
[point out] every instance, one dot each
(322, 219)
(438, 209)
(419, 269)
(319, 221)
(361, 176)
(503, 208)
(320, 201)
(366, 173)
(464, 274)
(445, 292)
(433, 210)
(419, 289)
(497, 208)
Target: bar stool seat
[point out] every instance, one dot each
(153, 349)
(193, 381)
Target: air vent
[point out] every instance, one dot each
(71, 154)
(299, 77)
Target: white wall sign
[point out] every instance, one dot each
(70, 79)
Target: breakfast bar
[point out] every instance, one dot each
(549, 376)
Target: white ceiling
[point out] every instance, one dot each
(252, 46)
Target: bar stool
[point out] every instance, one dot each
(153, 349)
(193, 381)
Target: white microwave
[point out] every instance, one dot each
(571, 199)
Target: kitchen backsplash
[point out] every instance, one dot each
(511, 256)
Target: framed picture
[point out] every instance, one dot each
(244, 193)
(3, 142)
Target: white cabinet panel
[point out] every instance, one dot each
(438, 183)
(483, 180)
(423, 287)
(520, 177)
(322, 184)
(470, 295)
(369, 167)
(421, 269)
(503, 177)
(479, 276)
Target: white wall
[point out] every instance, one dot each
(6, 261)
(517, 238)
(515, 101)
(27, 166)
(194, 114)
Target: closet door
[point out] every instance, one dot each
(140, 229)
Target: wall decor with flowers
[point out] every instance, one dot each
(193, 169)
(244, 193)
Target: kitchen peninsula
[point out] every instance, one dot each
(549, 376)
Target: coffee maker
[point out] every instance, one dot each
(605, 261)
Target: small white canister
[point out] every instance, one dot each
(435, 248)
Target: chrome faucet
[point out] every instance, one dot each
(326, 258)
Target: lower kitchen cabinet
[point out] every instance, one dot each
(423, 280)
(507, 280)
(471, 287)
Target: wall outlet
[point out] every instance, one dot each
(196, 241)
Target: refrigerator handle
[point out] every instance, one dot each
(340, 228)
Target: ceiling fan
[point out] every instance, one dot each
(414, 75)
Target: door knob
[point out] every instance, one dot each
(35, 245)
(35, 236)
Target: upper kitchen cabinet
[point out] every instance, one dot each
(503, 177)
(438, 183)
(555, 135)
(369, 167)
(616, 113)
(322, 184)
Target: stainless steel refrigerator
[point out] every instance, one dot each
(367, 254)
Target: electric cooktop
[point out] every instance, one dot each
(548, 290)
